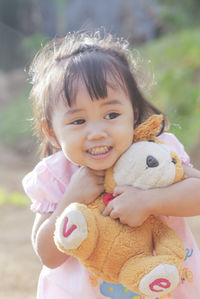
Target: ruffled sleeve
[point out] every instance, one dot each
(46, 184)
(171, 140)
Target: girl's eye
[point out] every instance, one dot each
(112, 115)
(78, 122)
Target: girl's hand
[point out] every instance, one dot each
(85, 185)
(130, 205)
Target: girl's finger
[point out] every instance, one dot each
(99, 173)
(100, 191)
(114, 214)
(99, 180)
(118, 190)
(107, 210)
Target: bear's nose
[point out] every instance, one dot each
(152, 162)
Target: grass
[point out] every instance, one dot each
(15, 198)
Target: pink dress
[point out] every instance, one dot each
(45, 186)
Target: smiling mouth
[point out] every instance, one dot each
(99, 150)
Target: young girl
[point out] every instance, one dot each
(86, 104)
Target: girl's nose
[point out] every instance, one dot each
(96, 132)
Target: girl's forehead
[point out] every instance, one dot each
(81, 89)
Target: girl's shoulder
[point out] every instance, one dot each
(172, 141)
(59, 167)
(47, 182)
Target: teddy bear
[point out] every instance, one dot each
(145, 259)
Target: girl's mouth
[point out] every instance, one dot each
(99, 152)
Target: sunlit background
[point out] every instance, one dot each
(164, 33)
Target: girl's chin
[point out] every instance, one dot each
(101, 165)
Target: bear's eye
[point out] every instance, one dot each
(152, 162)
(174, 160)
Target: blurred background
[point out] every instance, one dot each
(165, 33)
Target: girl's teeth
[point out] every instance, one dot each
(99, 150)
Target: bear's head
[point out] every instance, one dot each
(148, 163)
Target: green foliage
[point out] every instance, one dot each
(62, 2)
(180, 14)
(13, 198)
(32, 43)
(175, 62)
(16, 120)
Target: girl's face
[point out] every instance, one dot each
(94, 133)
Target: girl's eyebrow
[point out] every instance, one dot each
(73, 111)
(111, 102)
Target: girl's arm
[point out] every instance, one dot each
(42, 239)
(44, 224)
(132, 206)
(181, 199)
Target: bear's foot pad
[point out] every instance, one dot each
(71, 228)
(162, 280)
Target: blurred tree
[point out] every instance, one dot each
(15, 23)
(18, 15)
(20, 19)
(180, 14)
(137, 20)
(11, 54)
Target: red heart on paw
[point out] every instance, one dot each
(162, 283)
(68, 232)
(107, 198)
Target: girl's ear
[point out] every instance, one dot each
(50, 135)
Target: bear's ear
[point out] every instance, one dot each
(149, 129)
